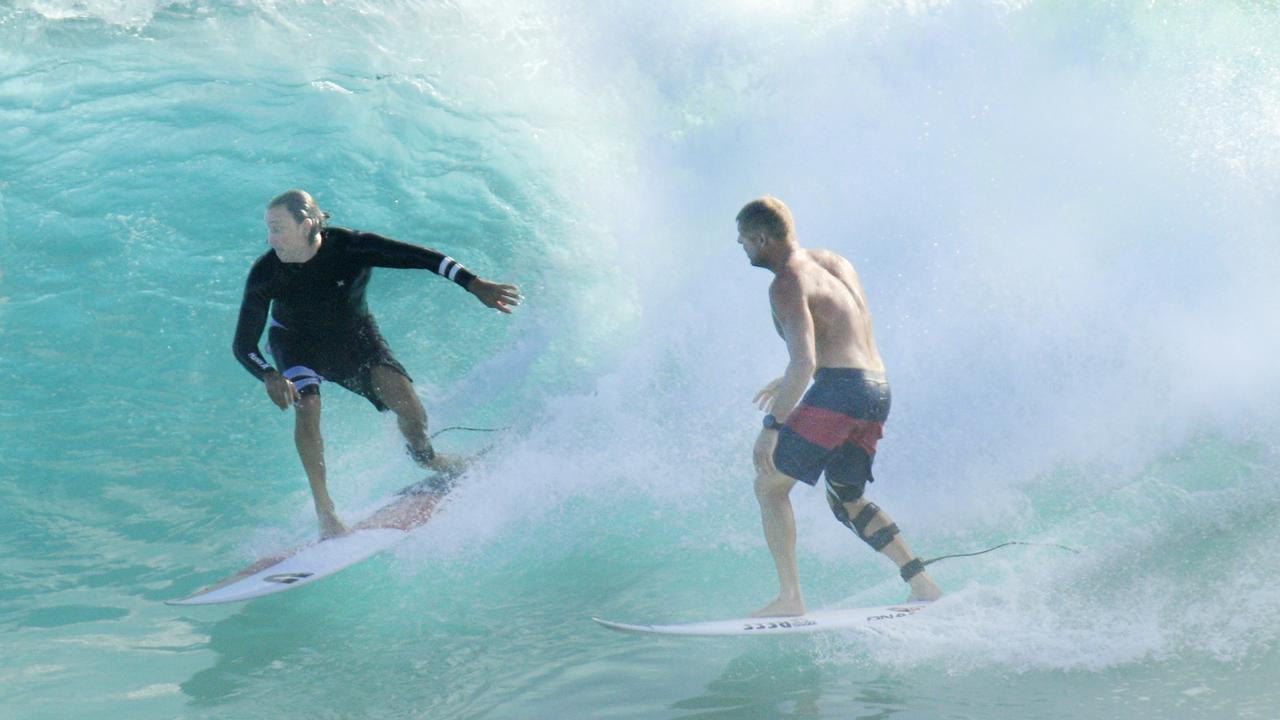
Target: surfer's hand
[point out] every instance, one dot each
(281, 390)
(764, 398)
(495, 295)
(762, 454)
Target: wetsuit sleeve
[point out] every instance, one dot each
(378, 251)
(253, 318)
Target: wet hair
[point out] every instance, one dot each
(301, 206)
(767, 215)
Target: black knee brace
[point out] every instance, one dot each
(879, 539)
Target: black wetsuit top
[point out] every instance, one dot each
(323, 299)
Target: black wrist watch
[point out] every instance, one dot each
(771, 422)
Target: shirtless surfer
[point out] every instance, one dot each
(821, 313)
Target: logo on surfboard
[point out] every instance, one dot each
(897, 612)
(779, 624)
(287, 578)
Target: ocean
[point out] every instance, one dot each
(1064, 214)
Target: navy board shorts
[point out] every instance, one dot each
(835, 429)
(347, 360)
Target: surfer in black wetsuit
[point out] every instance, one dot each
(313, 283)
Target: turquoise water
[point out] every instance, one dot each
(1064, 213)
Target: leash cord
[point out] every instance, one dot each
(997, 547)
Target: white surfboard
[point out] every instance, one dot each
(302, 565)
(817, 621)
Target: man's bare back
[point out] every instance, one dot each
(843, 337)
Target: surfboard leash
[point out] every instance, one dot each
(997, 547)
(468, 429)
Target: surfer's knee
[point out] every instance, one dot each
(307, 411)
(772, 484)
(308, 403)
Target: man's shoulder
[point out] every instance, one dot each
(263, 274)
(340, 237)
(349, 241)
(808, 276)
(829, 258)
(835, 264)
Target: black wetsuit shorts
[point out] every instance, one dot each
(349, 362)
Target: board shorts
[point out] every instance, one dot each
(835, 429)
(347, 359)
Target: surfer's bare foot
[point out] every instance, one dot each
(782, 607)
(448, 465)
(331, 527)
(923, 588)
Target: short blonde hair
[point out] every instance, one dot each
(767, 215)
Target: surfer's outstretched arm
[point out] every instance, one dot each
(382, 251)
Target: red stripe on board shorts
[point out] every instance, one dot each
(831, 429)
